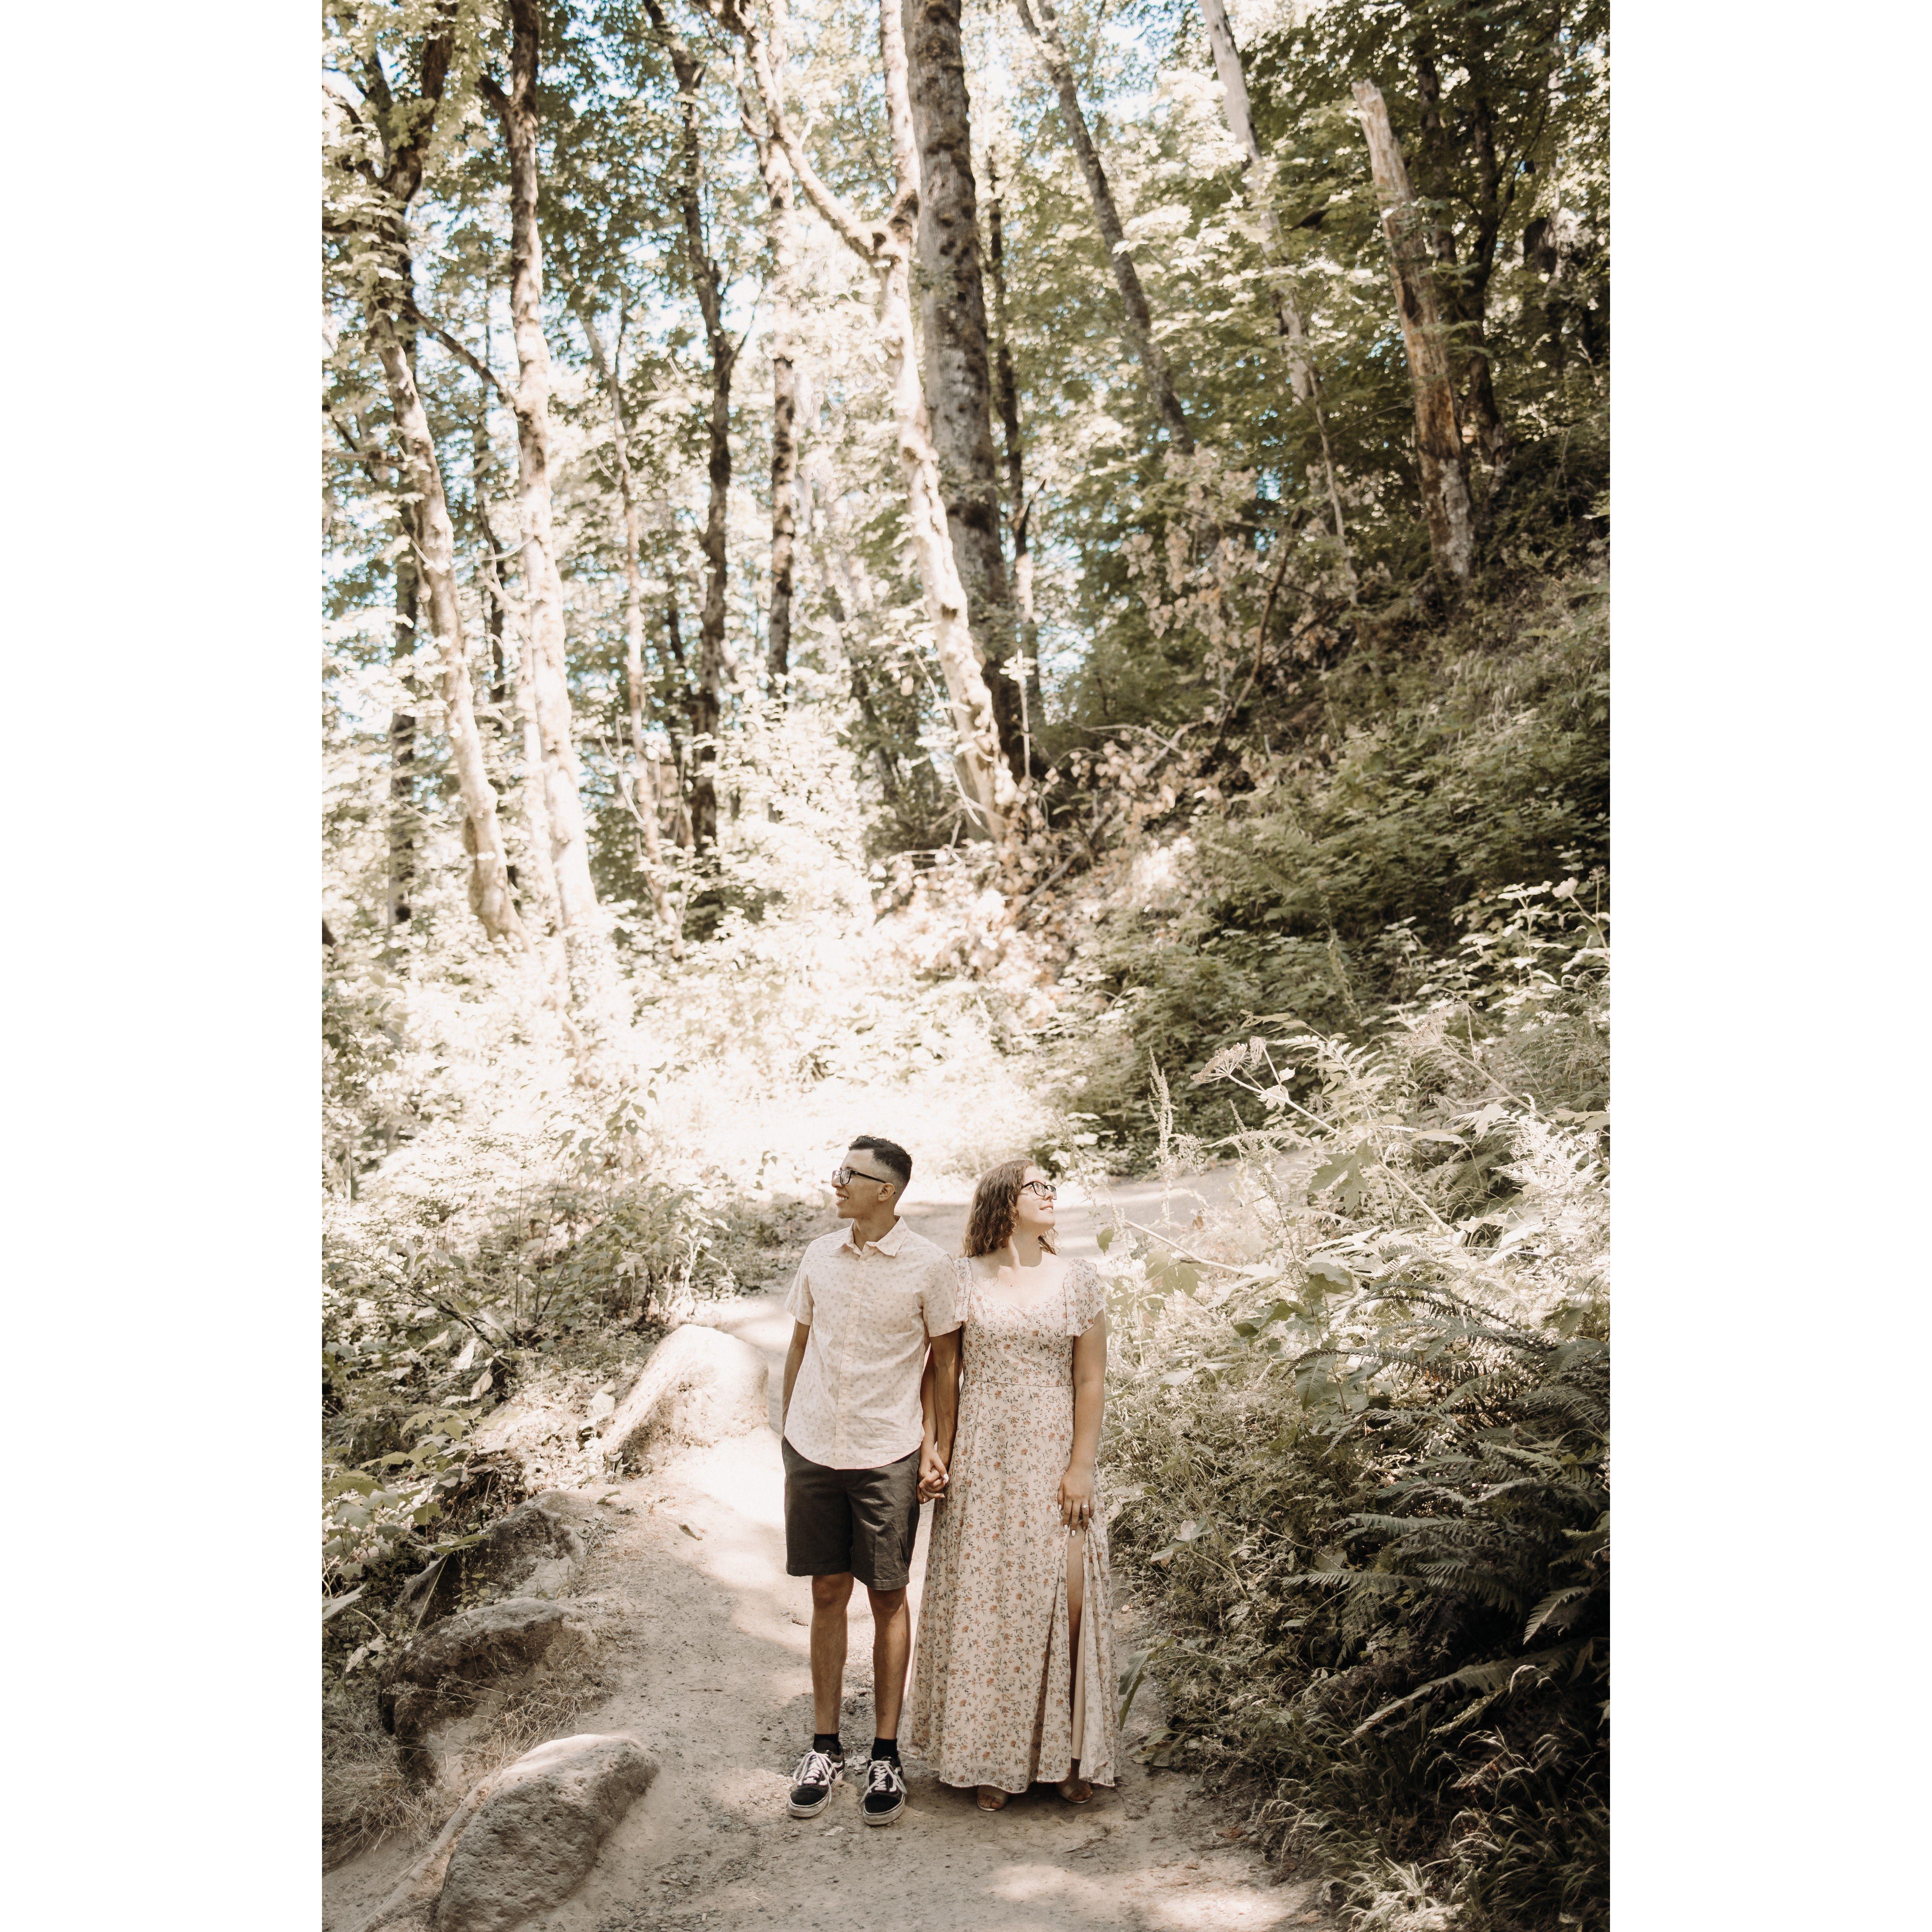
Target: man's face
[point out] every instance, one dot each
(861, 1184)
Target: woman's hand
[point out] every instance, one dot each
(1076, 1495)
(932, 1477)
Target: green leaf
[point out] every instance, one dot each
(1105, 1239)
(1328, 1277)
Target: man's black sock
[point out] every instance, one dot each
(828, 1742)
(887, 1748)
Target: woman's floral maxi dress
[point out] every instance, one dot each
(991, 1680)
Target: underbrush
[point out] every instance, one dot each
(1422, 784)
(1365, 1476)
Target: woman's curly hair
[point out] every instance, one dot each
(989, 1221)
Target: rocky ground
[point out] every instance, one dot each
(682, 1632)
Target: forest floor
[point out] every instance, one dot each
(702, 1655)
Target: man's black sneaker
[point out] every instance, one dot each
(885, 1792)
(812, 1783)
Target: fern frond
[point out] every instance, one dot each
(1502, 1677)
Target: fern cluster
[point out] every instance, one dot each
(1369, 1481)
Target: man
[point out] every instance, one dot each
(869, 1302)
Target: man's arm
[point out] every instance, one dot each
(794, 1355)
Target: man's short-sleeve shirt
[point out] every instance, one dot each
(871, 1310)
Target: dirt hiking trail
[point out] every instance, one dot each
(701, 1650)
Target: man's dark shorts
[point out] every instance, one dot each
(862, 1520)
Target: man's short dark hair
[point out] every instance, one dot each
(891, 1156)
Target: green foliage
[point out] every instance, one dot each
(1368, 1477)
(1327, 887)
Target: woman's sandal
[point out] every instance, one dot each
(1076, 1790)
(992, 1798)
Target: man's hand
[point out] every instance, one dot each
(932, 1476)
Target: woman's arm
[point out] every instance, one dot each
(931, 1470)
(939, 1412)
(1089, 1388)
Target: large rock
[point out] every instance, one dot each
(535, 1551)
(475, 1647)
(561, 1802)
(492, 1640)
(537, 1834)
(700, 1386)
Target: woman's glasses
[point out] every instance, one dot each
(1045, 1190)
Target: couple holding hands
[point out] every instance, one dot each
(975, 1381)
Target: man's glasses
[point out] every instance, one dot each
(1045, 1190)
(845, 1176)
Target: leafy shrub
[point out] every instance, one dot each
(1367, 1475)
(1477, 766)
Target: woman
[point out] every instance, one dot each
(1013, 1673)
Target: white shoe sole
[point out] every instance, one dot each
(881, 1817)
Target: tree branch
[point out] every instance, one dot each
(733, 17)
(481, 369)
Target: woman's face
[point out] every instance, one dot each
(1033, 1211)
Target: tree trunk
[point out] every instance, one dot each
(545, 669)
(974, 723)
(489, 570)
(825, 519)
(490, 894)
(402, 730)
(779, 214)
(958, 373)
(535, 789)
(643, 761)
(680, 755)
(1463, 288)
(887, 246)
(1302, 376)
(1445, 463)
(708, 709)
(1045, 34)
(1485, 413)
(1006, 390)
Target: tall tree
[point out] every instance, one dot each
(384, 159)
(1045, 33)
(1006, 390)
(489, 564)
(545, 664)
(1444, 462)
(1463, 286)
(643, 759)
(780, 223)
(958, 371)
(403, 817)
(1303, 378)
(886, 245)
(707, 280)
(403, 729)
